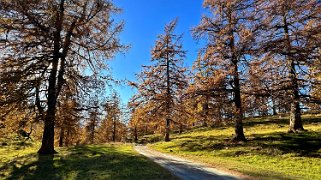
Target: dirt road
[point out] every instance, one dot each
(184, 169)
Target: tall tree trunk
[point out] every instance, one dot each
(47, 146)
(167, 129)
(295, 113)
(168, 99)
(67, 142)
(61, 137)
(92, 131)
(239, 134)
(114, 131)
(273, 106)
(206, 112)
(135, 135)
(181, 128)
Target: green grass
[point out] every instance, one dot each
(117, 161)
(269, 153)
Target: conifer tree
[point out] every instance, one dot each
(229, 33)
(161, 83)
(291, 35)
(45, 43)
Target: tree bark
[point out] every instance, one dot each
(92, 130)
(135, 135)
(206, 112)
(181, 128)
(239, 134)
(114, 131)
(167, 129)
(295, 113)
(47, 146)
(168, 99)
(273, 106)
(61, 137)
(68, 138)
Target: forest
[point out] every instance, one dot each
(259, 60)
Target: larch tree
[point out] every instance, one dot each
(44, 43)
(92, 123)
(136, 121)
(291, 30)
(229, 32)
(315, 76)
(161, 83)
(113, 111)
(208, 90)
(265, 89)
(142, 120)
(68, 118)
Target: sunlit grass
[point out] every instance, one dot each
(117, 161)
(270, 153)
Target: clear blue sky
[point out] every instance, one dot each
(144, 20)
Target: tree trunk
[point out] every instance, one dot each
(295, 113)
(205, 109)
(68, 138)
(114, 131)
(273, 106)
(92, 132)
(135, 135)
(181, 129)
(47, 146)
(239, 134)
(295, 118)
(61, 138)
(167, 129)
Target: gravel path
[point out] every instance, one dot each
(184, 169)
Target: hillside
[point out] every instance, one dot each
(269, 153)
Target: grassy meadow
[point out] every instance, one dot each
(269, 153)
(115, 161)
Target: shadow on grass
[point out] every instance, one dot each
(266, 121)
(281, 121)
(258, 149)
(306, 144)
(87, 162)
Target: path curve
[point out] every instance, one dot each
(184, 169)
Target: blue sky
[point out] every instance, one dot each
(144, 20)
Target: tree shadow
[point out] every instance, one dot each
(88, 162)
(266, 121)
(22, 168)
(278, 120)
(303, 144)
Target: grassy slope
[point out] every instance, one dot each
(83, 162)
(270, 153)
